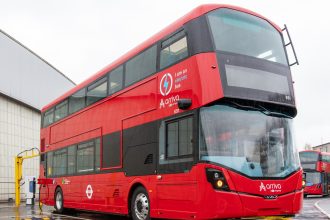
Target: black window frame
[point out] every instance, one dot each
(177, 120)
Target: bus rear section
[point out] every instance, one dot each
(316, 166)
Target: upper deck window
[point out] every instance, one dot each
(242, 33)
(48, 117)
(61, 110)
(116, 80)
(77, 101)
(325, 158)
(141, 66)
(173, 49)
(97, 91)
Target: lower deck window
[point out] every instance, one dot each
(179, 138)
(85, 157)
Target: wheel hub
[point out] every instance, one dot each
(141, 206)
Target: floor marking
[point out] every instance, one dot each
(59, 215)
(320, 209)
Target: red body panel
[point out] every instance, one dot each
(315, 189)
(185, 195)
(322, 166)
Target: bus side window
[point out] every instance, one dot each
(48, 118)
(85, 157)
(116, 80)
(179, 138)
(49, 164)
(60, 162)
(173, 50)
(61, 110)
(77, 101)
(72, 159)
(97, 154)
(97, 91)
(141, 66)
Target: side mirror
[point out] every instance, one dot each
(184, 103)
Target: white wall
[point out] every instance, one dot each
(19, 130)
(28, 78)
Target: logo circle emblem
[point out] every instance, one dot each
(165, 85)
(89, 191)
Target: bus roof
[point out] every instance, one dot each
(200, 10)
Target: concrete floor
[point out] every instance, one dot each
(25, 212)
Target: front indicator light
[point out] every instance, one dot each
(219, 183)
(303, 183)
(217, 179)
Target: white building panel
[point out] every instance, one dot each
(27, 77)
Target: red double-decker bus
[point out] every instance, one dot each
(316, 166)
(195, 123)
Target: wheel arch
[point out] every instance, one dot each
(132, 188)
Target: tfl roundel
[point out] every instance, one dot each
(166, 83)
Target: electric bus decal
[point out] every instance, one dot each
(166, 84)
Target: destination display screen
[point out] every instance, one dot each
(256, 79)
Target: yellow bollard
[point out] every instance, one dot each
(18, 177)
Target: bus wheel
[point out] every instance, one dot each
(59, 200)
(140, 205)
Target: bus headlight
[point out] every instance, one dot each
(217, 179)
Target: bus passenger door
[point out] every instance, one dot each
(176, 184)
(324, 182)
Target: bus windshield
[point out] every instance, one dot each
(242, 33)
(247, 141)
(313, 178)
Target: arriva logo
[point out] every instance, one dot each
(272, 187)
(166, 83)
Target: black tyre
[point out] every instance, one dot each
(58, 198)
(140, 204)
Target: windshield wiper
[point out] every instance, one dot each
(260, 109)
(271, 113)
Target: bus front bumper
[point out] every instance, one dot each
(240, 205)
